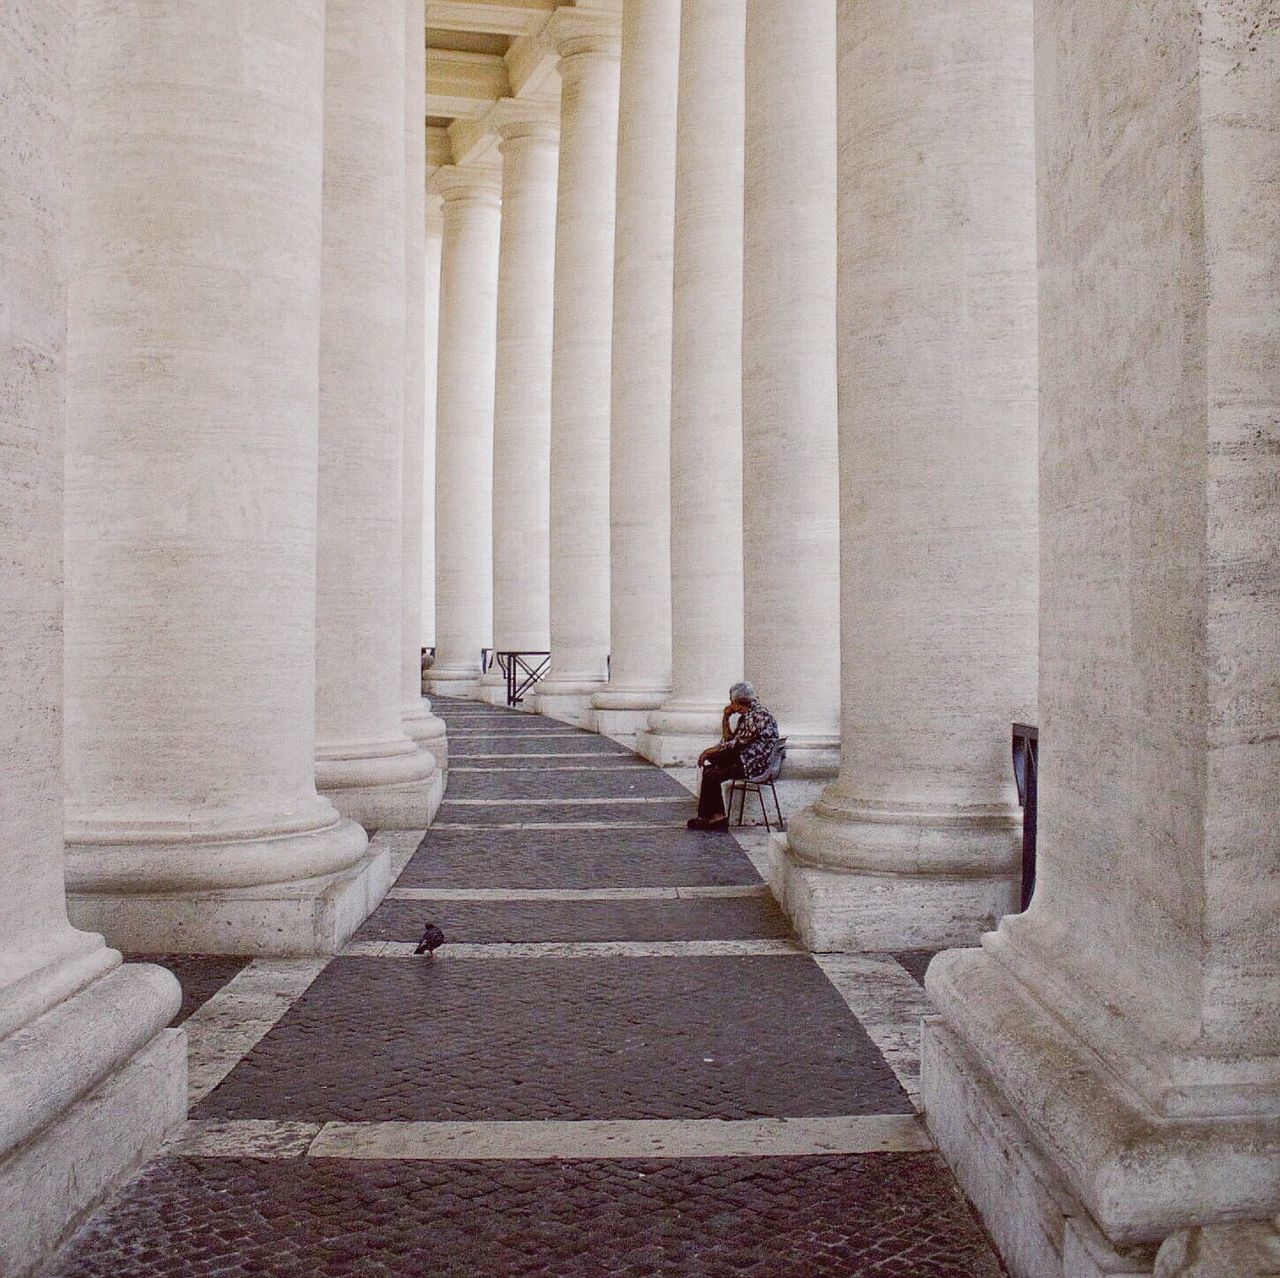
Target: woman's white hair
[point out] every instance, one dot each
(742, 692)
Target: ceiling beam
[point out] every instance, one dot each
(501, 17)
(462, 85)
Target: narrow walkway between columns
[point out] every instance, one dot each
(620, 1063)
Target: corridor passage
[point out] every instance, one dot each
(619, 1063)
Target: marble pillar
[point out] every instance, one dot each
(464, 425)
(431, 346)
(192, 817)
(365, 762)
(589, 55)
(91, 1081)
(790, 472)
(706, 393)
(522, 396)
(1118, 1044)
(419, 723)
(640, 425)
(916, 844)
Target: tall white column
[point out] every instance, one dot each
(90, 1080)
(522, 397)
(580, 394)
(464, 425)
(706, 394)
(790, 472)
(640, 427)
(419, 723)
(431, 345)
(1129, 1017)
(916, 844)
(365, 761)
(192, 814)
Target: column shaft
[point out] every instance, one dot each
(419, 723)
(916, 843)
(706, 394)
(464, 426)
(580, 375)
(1130, 1014)
(791, 485)
(365, 762)
(522, 398)
(640, 429)
(192, 812)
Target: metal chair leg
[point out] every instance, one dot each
(764, 812)
(782, 825)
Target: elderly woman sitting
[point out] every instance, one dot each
(742, 752)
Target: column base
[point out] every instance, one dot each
(623, 713)
(844, 911)
(811, 756)
(566, 700)
(1002, 1063)
(1039, 1228)
(493, 694)
(678, 733)
(94, 1088)
(427, 730)
(381, 785)
(857, 877)
(281, 920)
(447, 681)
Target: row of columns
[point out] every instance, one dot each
(1109, 580)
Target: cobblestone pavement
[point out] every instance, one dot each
(657, 1106)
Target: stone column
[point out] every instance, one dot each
(365, 762)
(419, 723)
(464, 426)
(706, 394)
(640, 429)
(522, 398)
(431, 343)
(580, 394)
(90, 1080)
(790, 472)
(192, 814)
(1128, 1018)
(439, 746)
(916, 844)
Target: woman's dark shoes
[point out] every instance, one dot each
(719, 825)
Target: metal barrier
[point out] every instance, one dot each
(1026, 771)
(523, 670)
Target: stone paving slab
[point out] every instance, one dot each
(201, 976)
(572, 858)
(874, 1216)
(600, 783)
(518, 921)
(704, 1037)
(463, 746)
(631, 811)
(916, 962)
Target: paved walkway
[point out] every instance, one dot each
(621, 1063)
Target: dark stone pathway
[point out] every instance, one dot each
(301, 1162)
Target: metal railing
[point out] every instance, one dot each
(522, 671)
(1026, 772)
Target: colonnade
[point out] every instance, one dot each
(938, 404)
(1028, 443)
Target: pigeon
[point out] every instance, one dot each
(432, 940)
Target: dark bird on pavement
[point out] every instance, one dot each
(432, 940)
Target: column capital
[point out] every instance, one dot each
(456, 183)
(576, 34)
(512, 118)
